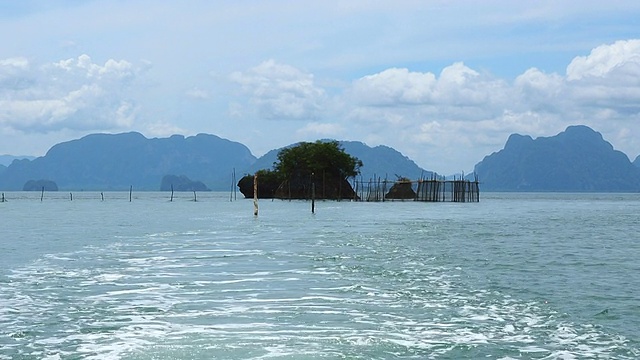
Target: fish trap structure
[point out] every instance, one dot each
(434, 189)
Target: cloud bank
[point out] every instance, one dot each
(447, 120)
(461, 110)
(75, 94)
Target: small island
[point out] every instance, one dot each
(39, 185)
(320, 169)
(181, 183)
(402, 189)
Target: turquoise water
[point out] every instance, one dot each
(516, 276)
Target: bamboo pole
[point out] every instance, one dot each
(313, 197)
(255, 195)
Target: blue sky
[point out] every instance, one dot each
(444, 82)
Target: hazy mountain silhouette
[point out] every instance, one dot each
(6, 160)
(578, 159)
(117, 161)
(380, 161)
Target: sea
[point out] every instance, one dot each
(90, 275)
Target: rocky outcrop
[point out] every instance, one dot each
(181, 183)
(578, 159)
(330, 189)
(39, 185)
(401, 190)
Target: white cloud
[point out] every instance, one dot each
(455, 92)
(395, 86)
(466, 114)
(281, 91)
(620, 59)
(75, 94)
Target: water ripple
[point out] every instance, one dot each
(357, 294)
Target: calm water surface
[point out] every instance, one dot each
(516, 276)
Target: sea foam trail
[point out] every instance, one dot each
(267, 290)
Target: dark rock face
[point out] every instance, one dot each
(38, 185)
(401, 190)
(636, 162)
(266, 187)
(181, 183)
(578, 159)
(335, 189)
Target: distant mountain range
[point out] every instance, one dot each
(118, 161)
(578, 159)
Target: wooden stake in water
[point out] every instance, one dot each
(71, 196)
(42, 194)
(255, 195)
(130, 191)
(313, 195)
(194, 196)
(102, 196)
(171, 193)
(232, 194)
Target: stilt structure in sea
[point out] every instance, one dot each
(434, 189)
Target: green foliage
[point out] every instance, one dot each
(320, 157)
(317, 169)
(269, 176)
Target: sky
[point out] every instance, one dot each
(443, 82)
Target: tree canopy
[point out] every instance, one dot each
(324, 164)
(320, 157)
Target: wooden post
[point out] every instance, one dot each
(71, 196)
(130, 191)
(355, 185)
(232, 185)
(102, 195)
(324, 195)
(171, 193)
(313, 194)
(42, 194)
(195, 198)
(255, 194)
(2, 197)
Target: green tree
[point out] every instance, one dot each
(320, 158)
(321, 164)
